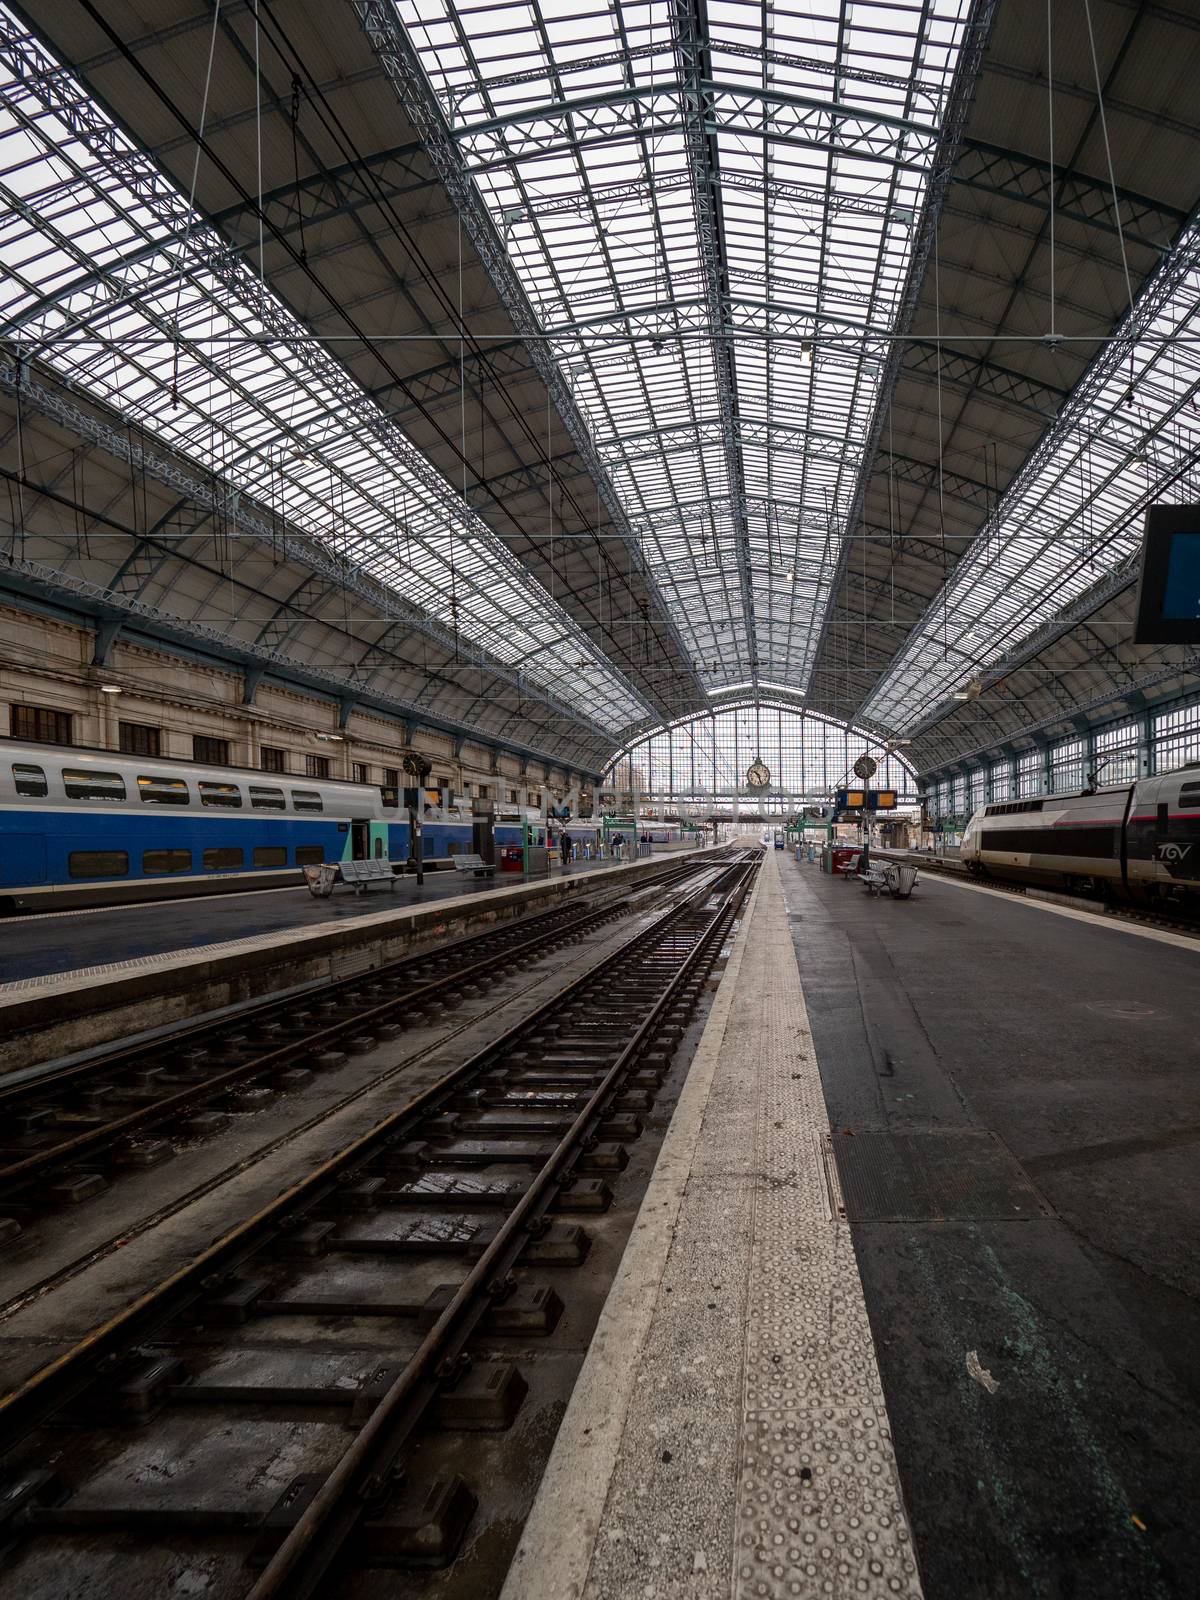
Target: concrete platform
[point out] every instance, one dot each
(195, 957)
(45, 943)
(913, 1303)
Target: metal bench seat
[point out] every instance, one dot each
(360, 875)
(474, 864)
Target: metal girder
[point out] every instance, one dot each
(972, 375)
(1087, 410)
(78, 594)
(651, 110)
(1111, 585)
(252, 301)
(929, 475)
(1134, 691)
(640, 191)
(1011, 175)
(407, 76)
(691, 53)
(843, 71)
(211, 497)
(943, 155)
(107, 634)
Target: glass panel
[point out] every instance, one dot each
(309, 855)
(156, 861)
(222, 858)
(270, 855)
(306, 800)
(266, 799)
(99, 239)
(97, 864)
(704, 759)
(93, 785)
(30, 781)
(164, 791)
(227, 795)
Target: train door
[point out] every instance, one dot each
(483, 830)
(483, 838)
(360, 840)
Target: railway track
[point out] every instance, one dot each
(68, 1130)
(263, 1413)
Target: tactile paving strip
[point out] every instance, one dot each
(192, 953)
(818, 1507)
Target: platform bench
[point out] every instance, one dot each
(475, 865)
(360, 875)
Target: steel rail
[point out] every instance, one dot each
(74, 1370)
(299, 1566)
(17, 1175)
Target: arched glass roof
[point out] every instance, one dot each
(712, 209)
(641, 352)
(706, 757)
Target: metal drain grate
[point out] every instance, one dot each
(932, 1176)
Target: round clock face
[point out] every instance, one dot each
(865, 767)
(759, 774)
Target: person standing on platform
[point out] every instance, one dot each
(565, 847)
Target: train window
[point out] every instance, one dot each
(222, 858)
(156, 861)
(221, 794)
(270, 855)
(309, 855)
(263, 799)
(97, 864)
(163, 791)
(93, 785)
(307, 800)
(29, 781)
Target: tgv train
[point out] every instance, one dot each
(1137, 842)
(80, 827)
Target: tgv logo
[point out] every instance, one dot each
(1173, 852)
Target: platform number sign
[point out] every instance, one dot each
(865, 767)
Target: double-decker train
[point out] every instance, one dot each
(84, 827)
(1137, 841)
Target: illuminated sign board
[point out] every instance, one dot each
(1168, 599)
(866, 799)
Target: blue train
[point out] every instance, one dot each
(82, 827)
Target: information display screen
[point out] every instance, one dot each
(1168, 603)
(1181, 597)
(866, 799)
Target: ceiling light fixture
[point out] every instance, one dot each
(110, 688)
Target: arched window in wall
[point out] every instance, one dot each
(706, 756)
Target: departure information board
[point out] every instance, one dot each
(1168, 601)
(866, 799)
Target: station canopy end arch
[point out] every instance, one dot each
(706, 759)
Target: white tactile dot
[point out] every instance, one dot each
(818, 1507)
(745, 1452)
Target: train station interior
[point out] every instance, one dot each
(599, 799)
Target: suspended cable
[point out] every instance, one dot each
(186, 242)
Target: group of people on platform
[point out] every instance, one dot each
(567, 848)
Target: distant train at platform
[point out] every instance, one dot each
(82, 827)
(1135, 842)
